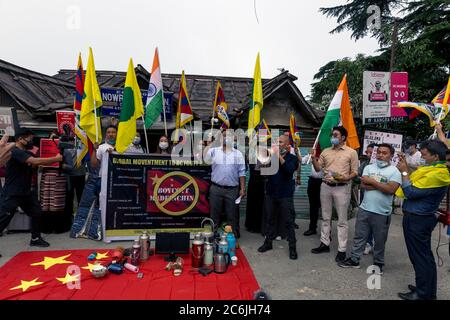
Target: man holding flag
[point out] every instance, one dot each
(340, 165)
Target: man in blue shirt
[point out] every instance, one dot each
(279, 198)
(380, 181)
(227, 181)
(422, 199)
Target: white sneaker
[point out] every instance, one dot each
(368, 249)
(278, 238)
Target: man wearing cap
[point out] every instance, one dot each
(17, 190)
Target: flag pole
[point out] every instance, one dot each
(163, 99)
(192, 138)
(96, 125)
(438, 120)
(145, 134)
(314, 147)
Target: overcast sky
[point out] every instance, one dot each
(211, 37)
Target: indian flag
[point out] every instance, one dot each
(339, 113)
(132, 108)
(155, 97)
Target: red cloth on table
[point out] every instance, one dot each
(238, 282)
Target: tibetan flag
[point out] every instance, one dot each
(83, 144)
(294, 135)
(184, 111)
(339, 113)
(155, 97)
(436, 111)
(92, 103)
(221, 107)
(264, 135)
(257, 103)
(132, 109)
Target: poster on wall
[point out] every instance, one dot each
(377, 137)
(376, 95)
(8, 121)
(153, 193)
(399, 92)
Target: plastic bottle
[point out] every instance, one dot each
(231, 244)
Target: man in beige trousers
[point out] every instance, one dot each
(340, 165)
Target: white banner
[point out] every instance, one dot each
(377, 137)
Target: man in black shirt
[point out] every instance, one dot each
(17, 190)
(279, 198)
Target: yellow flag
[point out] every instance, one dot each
(254, 114)
(132, 108)
(91, 105)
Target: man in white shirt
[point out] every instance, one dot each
(413, 155)
(227, 181)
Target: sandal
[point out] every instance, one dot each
(178, 267)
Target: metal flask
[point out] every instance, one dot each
(197, 251)
(221, 262)
(222, 246)
(144, 241)
(208, 260)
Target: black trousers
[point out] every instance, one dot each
(275, 209)
(417, 230)
(314, 201)
(28, 203)
(223, 201)
(75, 184)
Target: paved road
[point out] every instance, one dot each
(310, 277)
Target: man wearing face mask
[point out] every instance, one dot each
(227, 180)
(423, 191)
(278, 202)
(340, 166)
(100, 151)
(413, 156)
(17, 190)
(380, 181)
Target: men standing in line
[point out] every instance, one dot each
(17, 190)
(278, 201)
(340, 165)
(380, 181)
(423, 191)
(227, 180)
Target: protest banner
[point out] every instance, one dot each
(153, 193)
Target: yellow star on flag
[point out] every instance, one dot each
(49, 262)
(69, 278)
(89, 267)
(27, 284)
(101, 255)
(155, 179)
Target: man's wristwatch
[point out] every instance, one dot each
(404, 173)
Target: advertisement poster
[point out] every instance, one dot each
(376, 95)
(65, 121)
(153, 193)
(377, 137)
(48, 149)
(8, 121)
(399, 92)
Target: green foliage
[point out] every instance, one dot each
(422, 49)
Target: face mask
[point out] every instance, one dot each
(422, 162)
(235, 145)
(112, 142)
(283, 152)
(229, 142)
(334, 141)
(29, 145)
(163, 145)
(137, 141)
(382, 163)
